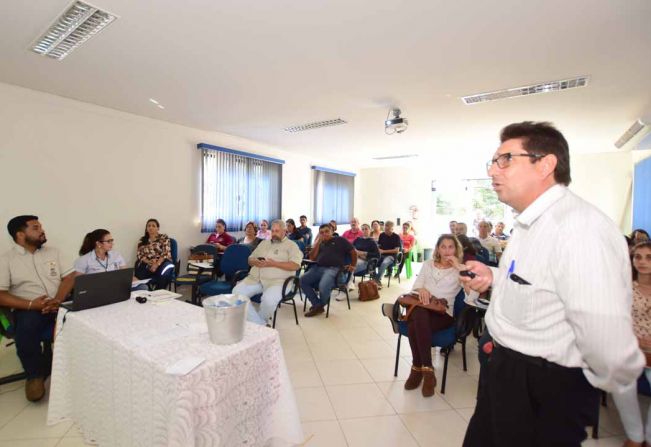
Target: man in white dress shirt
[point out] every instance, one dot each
(560, 312)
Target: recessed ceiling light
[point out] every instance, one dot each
(526, 90)
(76, 25)
(153, 100)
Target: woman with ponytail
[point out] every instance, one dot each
(97, 255)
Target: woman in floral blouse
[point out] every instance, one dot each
(155, 256)
(626, 402)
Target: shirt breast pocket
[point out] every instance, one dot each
(518, 302)
(52, 269)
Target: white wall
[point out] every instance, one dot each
(603, 179)
(80, 167)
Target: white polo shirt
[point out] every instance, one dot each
(90, 263)
(576, 308)
(282, 251)
(28, 275)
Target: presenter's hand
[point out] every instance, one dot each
(51, 306)
(482, 281)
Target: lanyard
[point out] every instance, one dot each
(100, 262)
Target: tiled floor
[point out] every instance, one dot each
(342, 372)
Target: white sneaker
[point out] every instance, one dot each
(339, 296)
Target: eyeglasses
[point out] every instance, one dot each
(504, 160)
(108, 241)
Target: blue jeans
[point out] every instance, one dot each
(361, 266)
(321, 278)
(385, 262)
(32, 328)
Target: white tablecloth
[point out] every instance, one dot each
(109, 377)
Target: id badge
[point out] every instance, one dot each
(53, 271)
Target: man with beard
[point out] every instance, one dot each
(271, 263)
(33, 282)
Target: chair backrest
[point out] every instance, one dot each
(459, 303)
(174, 248)
(235, 258)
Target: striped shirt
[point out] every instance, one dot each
(576, 311)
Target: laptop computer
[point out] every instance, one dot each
(100, 289)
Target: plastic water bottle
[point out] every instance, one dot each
(437, 357)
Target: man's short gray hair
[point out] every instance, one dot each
(389, 223)
(280, 223)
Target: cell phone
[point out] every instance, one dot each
(467, 273)
(262, 259)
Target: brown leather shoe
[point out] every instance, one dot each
(35, 389)
(429, 381)
(414, 379)
(315, 310)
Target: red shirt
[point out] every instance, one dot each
(350, 236)
(224, 239)
(408, 241)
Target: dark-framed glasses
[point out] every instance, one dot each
(504, 160)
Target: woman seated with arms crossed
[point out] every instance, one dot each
(97, 255)
(292, 232)
(438, 278)
(250, 239)
(626, 402)
(154, 256)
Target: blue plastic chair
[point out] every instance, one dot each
(445, 339)
(234, 265)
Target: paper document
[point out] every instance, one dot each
(184, 366)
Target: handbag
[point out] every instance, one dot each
(200, 256)
(368, 291)
(410, 301)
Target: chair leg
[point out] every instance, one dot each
(395, 370)
(463, 354)
(328, 309)
(12, 378)
(347, 296)
(604, 399)
(445, 369)
(273, 324)
(295, 314)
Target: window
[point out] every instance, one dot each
(238, 187)
(333, 195)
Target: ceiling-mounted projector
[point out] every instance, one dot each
(395, 124)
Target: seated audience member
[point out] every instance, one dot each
(437, 279)
(96, 255)
(33, 282)
(154, 256)
(375, 229)
(489, 242)
(333, 224)
(281, 259)
(461, 228)
(469, 252)
(626, 401)
(329, 253)
(499, 232)
(366, 249)
(639, 235)
(292, 232)
(263, 232)
(250, 239)
(408, 241)
(453, 226)
(220, 238)
(389, 244)
(354, 232)
(305, 230)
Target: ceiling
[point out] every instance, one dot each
(251, 68)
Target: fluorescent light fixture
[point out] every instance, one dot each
(526, 90)
(635, 128)
(76, 25)
(152, 100)
(160, 106)
(314, 125)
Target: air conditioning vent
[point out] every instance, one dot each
(394, 157)
(75, 26)
(315, 125)
(545, 87)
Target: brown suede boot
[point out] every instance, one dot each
(429, 381)
(415, 376)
